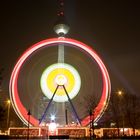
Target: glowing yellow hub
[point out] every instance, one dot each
(60, 79)
(60, 74)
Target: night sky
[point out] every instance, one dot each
(112, 28)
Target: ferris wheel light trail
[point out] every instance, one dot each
(13, 86)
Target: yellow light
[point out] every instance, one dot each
(60, 74)
(119, 92)
(8, 101)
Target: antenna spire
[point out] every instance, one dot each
(61, 8)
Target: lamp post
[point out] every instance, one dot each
(90, 129)
(8, 112)
(29, 114)
(91, 115)
(120, 94)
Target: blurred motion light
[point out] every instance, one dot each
(60, 74)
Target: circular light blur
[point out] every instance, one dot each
(60, 74)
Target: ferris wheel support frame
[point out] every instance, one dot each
(73, 109)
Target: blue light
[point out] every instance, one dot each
(52, 117)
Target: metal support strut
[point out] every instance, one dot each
(45, 112)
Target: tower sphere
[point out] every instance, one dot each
(61, 29)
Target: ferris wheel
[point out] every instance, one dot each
(39, 80)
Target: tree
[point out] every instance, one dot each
(1, 76)
(114, 105)
(2, 116)
(91, 106)
(2, 113)
(132, 104)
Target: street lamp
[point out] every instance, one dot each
(29, 114)
(120, 94)
(8, 112)
(92, 135)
